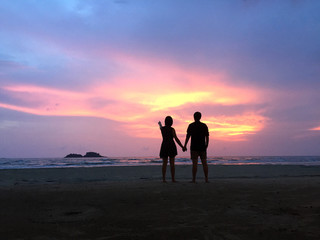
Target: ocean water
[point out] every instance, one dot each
(17, 163)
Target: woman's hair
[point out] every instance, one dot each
(168, 121)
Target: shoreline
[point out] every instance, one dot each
(10, 177)
(7, 163)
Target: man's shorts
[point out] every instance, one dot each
(201, 154)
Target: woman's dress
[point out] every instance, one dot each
(168, 147)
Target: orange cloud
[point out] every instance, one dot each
(236, 128)
(162, 84)
(315, 129)
(231, 128)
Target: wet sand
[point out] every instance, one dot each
(240, 202)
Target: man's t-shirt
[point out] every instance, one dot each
(198, 132)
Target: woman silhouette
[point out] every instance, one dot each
(168, 147)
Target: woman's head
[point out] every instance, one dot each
(168, 121)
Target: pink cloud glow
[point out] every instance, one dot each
(146, 94)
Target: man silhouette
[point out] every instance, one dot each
(199, 134)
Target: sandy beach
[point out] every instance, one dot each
(240, 202)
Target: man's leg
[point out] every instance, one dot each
(194, 158)
(194, 169)
(203, 158)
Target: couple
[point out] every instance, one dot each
(199, 134)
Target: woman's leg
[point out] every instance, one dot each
(164, 168)
(172, 168)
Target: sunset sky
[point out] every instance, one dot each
(78, 76)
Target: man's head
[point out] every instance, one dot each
(197, 116)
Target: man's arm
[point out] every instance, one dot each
(207, 141)
(187, 139)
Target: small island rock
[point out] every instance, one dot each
(73, 155)
(92, 154)
(88, 155)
